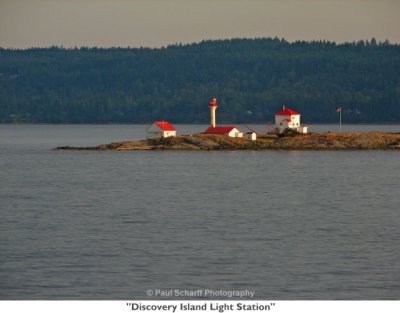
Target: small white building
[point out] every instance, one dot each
(160, 129)
(251, 136)
(287, 118)
(230, 131)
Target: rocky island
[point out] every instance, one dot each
(206, 142)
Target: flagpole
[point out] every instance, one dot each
(339, 109)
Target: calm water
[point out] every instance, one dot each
(111, 225)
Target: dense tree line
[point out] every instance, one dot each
(252, 79)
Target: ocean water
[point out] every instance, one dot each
(113, 225)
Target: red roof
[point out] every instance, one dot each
(219, 130)
(213, 102)
(287, 112)
(164, 125)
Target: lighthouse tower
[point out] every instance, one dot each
(230, 131)
(213, 107)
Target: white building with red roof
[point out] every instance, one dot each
(287, 118)
(161, 129)
(230, 131)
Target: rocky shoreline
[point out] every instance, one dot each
(203, 142)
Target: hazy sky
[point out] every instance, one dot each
(155, 23)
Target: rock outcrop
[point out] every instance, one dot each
(317, 141)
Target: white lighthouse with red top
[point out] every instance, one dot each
(213, 107)
(230, 131)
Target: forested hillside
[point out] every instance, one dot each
(251, 78)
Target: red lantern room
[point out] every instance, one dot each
(213, 102)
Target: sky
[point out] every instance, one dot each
(157, 23)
